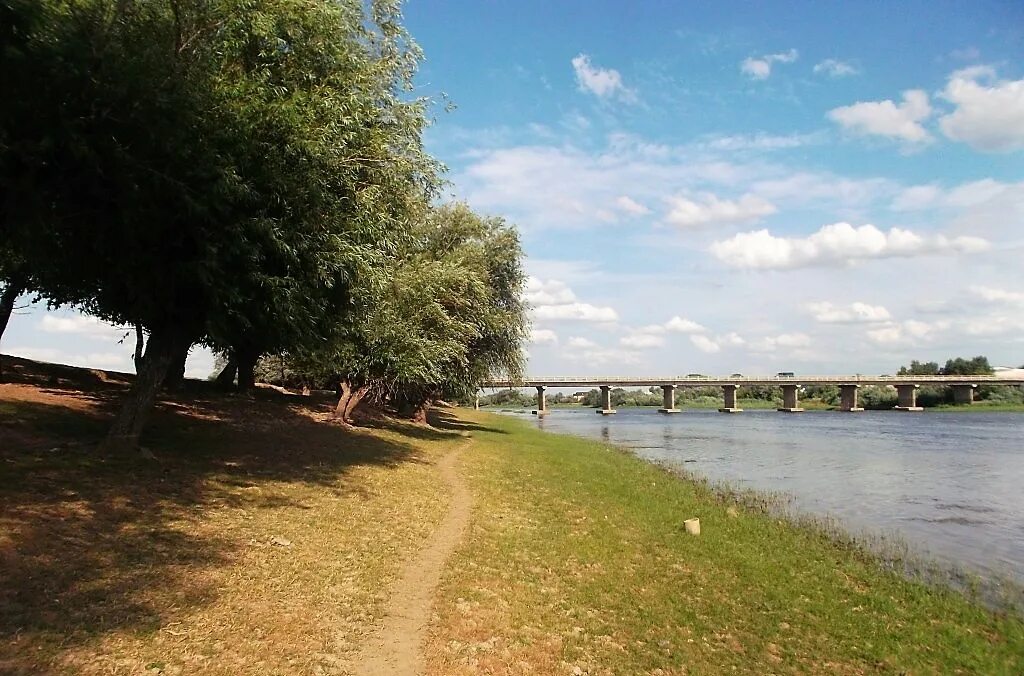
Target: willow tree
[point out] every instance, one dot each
(218, 170)
(448, 315)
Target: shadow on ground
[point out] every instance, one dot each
(84, 536)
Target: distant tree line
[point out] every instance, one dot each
(870, 396)
(247, 176)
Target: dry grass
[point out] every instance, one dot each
(262, 539)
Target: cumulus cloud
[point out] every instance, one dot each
(989, 113)
(598, 356)
(543, 337)
(580, 343)
(1000, 296)
(857, 312)
(837, 243)
(708, 209)
(910, 332)
(553, 299)
(835, 68)
(884, 118)
(576, 311)
(630, 206)
(101, 360)
(605, 83)
(642, 340)
(760, 67)
(783, 341)
(81, 325)
(548, 292)
(681, 325)
(705, 344)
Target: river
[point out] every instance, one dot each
(950, 484)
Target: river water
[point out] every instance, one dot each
(951, 484)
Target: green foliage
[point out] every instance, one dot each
(917, 368)
(968, 367)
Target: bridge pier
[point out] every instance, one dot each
(542, 404)
(606, 401)
(848, 398)
(964, 393)
(668, 399)
(906, 398)
(729, 396)
(791, 399)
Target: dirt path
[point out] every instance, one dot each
(395, 649)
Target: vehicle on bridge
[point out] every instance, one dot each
(785, 374)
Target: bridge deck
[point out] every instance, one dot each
(711, 381)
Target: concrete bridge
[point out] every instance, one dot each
(906, 388)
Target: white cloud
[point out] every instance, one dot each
(101, 360)
(761, 141)
(553, 299)
(681, 325)
(708, 209)
(597, 356)
(965, 195)
(784, 340)
(835, 68)
(731, 339)
(1002, 296)
(989, 114)
(630, 206)
(580, 343)
(760, 67)
(827, 313)
(705, 344)
(605, 83)
(548, 292)
(885, 118)
(82, 325)
(543, 337)
(576, 311)
(642, 341)
(910, 332)
(836, 243)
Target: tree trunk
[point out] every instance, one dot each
(345, 390)
(226, 378)
(140, 344)
(247, 369)
(176, 372)
(354, 399)
(161, 350)
(14, 288)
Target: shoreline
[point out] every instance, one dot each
(998, 591)
(583, 542)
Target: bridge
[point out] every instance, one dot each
(906, 388)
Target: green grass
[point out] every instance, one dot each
(577, 558)
(1001, 406)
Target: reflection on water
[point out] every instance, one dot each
(952, 484)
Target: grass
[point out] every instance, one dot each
(261, 539)
(577, 563)
(257, 537)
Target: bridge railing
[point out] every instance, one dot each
(798, 379)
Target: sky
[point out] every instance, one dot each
(723, 187)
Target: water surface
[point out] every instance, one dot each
(950, 484)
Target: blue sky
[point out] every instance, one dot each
(720, 187)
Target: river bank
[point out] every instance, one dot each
(577, 562)
(254, 535)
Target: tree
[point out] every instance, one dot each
(968, 367)
(917, 368)
(207, 169)
(447, 315)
